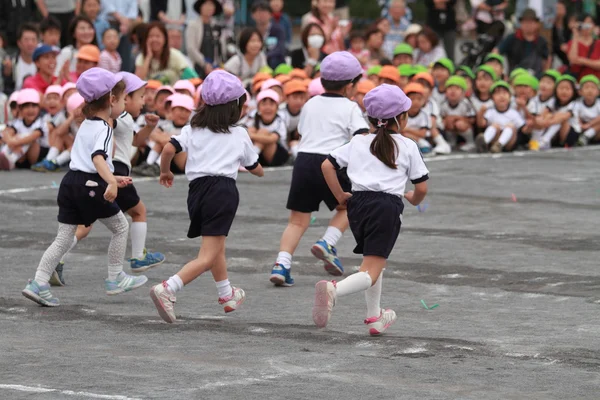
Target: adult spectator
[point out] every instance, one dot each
(16, 69)
(158, 60)
(383, 24)
(334, 32)
(250, 57)
(583, 50)
(83, 32)
(44, 57)
(50, 29)
(546, 11)
(91, 9)
(311, 52)
(13, 14)
(429, 48)
(282, 18)
(526, 48)
(273, 34)
(374, 43)
(489, 19)
(62, 10)
(342, 9)
(121, 14)
(399, 18)
(562, 32)
(169, 12)
(441, 16)
(202, 37)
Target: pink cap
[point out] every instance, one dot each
(165, 87)
(28, 96)
(74, 102)
(56, 89)
(181, 100)
(185, 84)
(267, 94)
(315, 88)
(13, 97)
(269, 83)
(68, 85)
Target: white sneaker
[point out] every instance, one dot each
(442, 148)
(164, 300)
(378, 325)
(233, 302)
(325, 296)
(544, 144)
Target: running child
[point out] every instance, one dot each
(588, 110)
(216, 148)
(379, 166)
(88, 191)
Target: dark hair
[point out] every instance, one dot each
(138, 31)
(73, 25)
(111, 28)
(430, 35)
(166, 51)
(307, 29)
(92, 108)
(27, 27)
(219, 118)
(50, 23)
(245, 37)
(334, 86)
(573, 98)
(583, 17)
(424, 82)
(356, 35)
(384, 147)
(315, 11)
(372, 31)
(260, 5)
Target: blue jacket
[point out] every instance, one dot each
(286, 24)
(275, 45)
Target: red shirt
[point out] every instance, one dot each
(584, 51)
(38, 83)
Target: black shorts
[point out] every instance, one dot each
(570, 141)
(127, 197)
(212, 204)
(25, 164)
(81, 204)
(308, 188)
(375, 220)
(281, 156)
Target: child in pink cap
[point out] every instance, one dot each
(216, 148)
(379, 167)
(55, 116)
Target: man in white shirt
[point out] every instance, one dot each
(16, 69)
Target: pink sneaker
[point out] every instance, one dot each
(164, 301)
(234, 301)
(378, 325)
(325, 296)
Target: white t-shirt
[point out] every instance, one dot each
(420, 121)
(276, 126)
(23, 130)
(95, 137)
(368, 173)
(571, 108)
(53, 120)
(168, 127)
(291, 121)
(215, 154)
(478, 103)
(327, 122)
(536, 106)
(508, 117)
(585, 113)
(22, 70)
(464, 108)
(124, 132)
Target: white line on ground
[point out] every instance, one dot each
(39, 389)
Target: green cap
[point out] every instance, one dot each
(488, 70)
(498, 84)
(267, 69)
(552, 73)
(420, 68)
(457, 81)
(467, 71)
(526, 80)
(318, 67)
(518, 71)
(589, 78)
(446, 63)
(566, 77)
(494, 57)
(406, 70)
(374, 70)
(403, 48)
(283, 69)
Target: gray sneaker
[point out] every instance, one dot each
(57, 276)
(40, 294)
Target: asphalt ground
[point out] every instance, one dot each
(507, 246)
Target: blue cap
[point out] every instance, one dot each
(44, 49)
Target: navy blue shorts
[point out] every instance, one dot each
(80, 203)
(308, 188)
(212, 204)
(127, 197)
(375, 220)
(279, 158)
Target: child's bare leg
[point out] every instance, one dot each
(212, 247)
(297, 225)
(268, 151)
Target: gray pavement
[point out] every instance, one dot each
(517, 283)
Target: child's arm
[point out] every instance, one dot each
(330, 175)
(140, 138)
(418, 133)
(556, 118)
(17, 142)
(481, 120)
(264, 137)
(166, 176)
(104, 171)
(415, 197)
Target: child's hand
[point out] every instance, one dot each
(343, 199)
(123, 181)
(111, 192)
(151, 120)
(166, 179)
(497, 127)
(409, 196)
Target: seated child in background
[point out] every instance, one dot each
(149, 96)
(539, 106)
(458, 113)
(501, 123)
(406, 71)
(109, 57)
(268, 131)
(69, 89)
(467, 73)
(296, 96)
(588, 110)
(12, 107)
(563, 120)
(432, 109)
(357, 48)
(315, 88)
(481, 97)
(88, 57)
(496, 61)
(442, 70)
(274, 85)
(403, 54)
(389, 75)
(418, 127)
(525, 87)
(362, 88)
(373, 74)
(185, 86)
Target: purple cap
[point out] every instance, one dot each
(221, 87)
(132, 81)
(386, 101)
(95, 83)
(340, 66)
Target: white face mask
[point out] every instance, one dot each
(316, 41)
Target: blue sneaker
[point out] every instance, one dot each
(328, 254)
(57, 276)
(124, 283)
(40, 294)
(46, 166)
(281, 276)
(150, 260)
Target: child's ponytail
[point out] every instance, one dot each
(384, 147)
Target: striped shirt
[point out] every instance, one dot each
(110, 62)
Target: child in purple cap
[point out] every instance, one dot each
(216, 148)
(88, 191)
(379, 166)
(326, 122)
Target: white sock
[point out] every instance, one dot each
(489, 134)
(439, 139)
(63, 158)
(158, 160)
(175, 284)
(590, 133)
(373, 298)
(224, 289)
(257, 149)
(332, 235)
(52, 153)
(152, 157)
(284, 258)
(138, 230)
(505, 136)
(358, 282)
(550, 133)
(70, 248)
(294, 151)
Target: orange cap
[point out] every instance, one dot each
(294, 86)
(364, 86)
(413, 88)
(425, 76)
(390, 72)
(196, 81)
(259, 77)
(153, 84)
(307, 82)
(298, 73)
(89, 52)
(283, 78)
